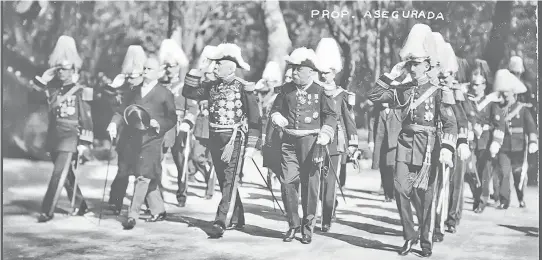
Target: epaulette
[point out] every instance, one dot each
(447, 96)
(247, 85)
(87, 94)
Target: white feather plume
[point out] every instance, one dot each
(329, 53)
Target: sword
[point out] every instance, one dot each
(105, 184)
(524, 168)
(185, 161)
(235, 184)
(75, 165)
(335, 173)
(267, 185)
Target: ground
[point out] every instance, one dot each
(366, 227)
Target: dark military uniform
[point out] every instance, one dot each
(491, 121)
(345, 136)
(141, 153)
(186, 112)
(466, 118)
(520, 132)
(70, 125)
(416, 149)
(384, 128)
(233, 112)
(309, 111)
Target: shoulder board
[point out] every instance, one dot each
(88, 94)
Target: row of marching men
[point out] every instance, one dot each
(431, 129)
(310, 123)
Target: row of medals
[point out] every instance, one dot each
(67, 107)
(428, 116)
(304, 98)
(229, 108)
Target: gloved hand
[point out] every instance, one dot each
(249, 152)
(184, 127)
(49, 74)
(533, 148)
(494, 149)
(112, 130)
(478, 130)
(81, 149)
(118, 81)
(397, 70)
(470, 135)
(446, 157)
(352, 149)
(279, 120)
(323, 139)
(371, 146)
(155, 125)
(463, 151)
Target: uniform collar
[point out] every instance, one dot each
(228, 79)
(305, 87)
(150, 84)
(422, 80)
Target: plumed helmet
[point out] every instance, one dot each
(420, 45)
(328, 51)
(231, 52)
(171, 53)
(303, 57)
(134, 61)
(516, 64)
(507, 82)
(204, 63)
(272, 72)
(65, 53)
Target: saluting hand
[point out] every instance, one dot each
(49, 74)
(118, 81)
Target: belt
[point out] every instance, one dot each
(420, 128)
(69, 121)
(222, 128)
(300, 133)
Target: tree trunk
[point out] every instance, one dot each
(377, 43)
(496, 47)
(279, 43)
(170, 18)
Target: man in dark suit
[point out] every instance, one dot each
(70, 124)
(142, 150)
(234, 121)
(307, 118)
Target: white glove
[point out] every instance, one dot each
(75, 77)
(323, 139)
(279, 120)
(81, 149)
(155, 125)
(397, 70)
(49, 74)
(371, 146)
(533, 148)
(494, 149)
(463, 151)
(478, 130)
(118, 81)
(352, 150)
(184, 127)
(470, 135)
(446, 157)
(112, 130)
(249, 152)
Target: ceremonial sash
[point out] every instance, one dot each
(423, 97)
(514, 112)
(483, 104)
(60, 98)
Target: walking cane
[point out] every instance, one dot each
(267, 185)
(75, 166)
(106, 175)
(524, 168)
(335, 173)
(186, 154)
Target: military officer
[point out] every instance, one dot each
(423, 108)
(520, 138)
(173, 59)
(233, 114)
(70, 127)
(448, 67)
(488, 131)
(345, 142)
(307, 118)
(141, 146)
(288, 75)
(130, 78)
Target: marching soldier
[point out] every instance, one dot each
(423, 108)
(345, 142)
(307, 120)
(173, 59)
(149, 113)
(202, 154)
(488, 131)
(520, 138)
(233, 114)
(448, 67)
(130, 78)
(70, 124)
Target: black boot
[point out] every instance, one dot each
(290, 234)
(407, 246)
(157, 217)
(42, 218)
